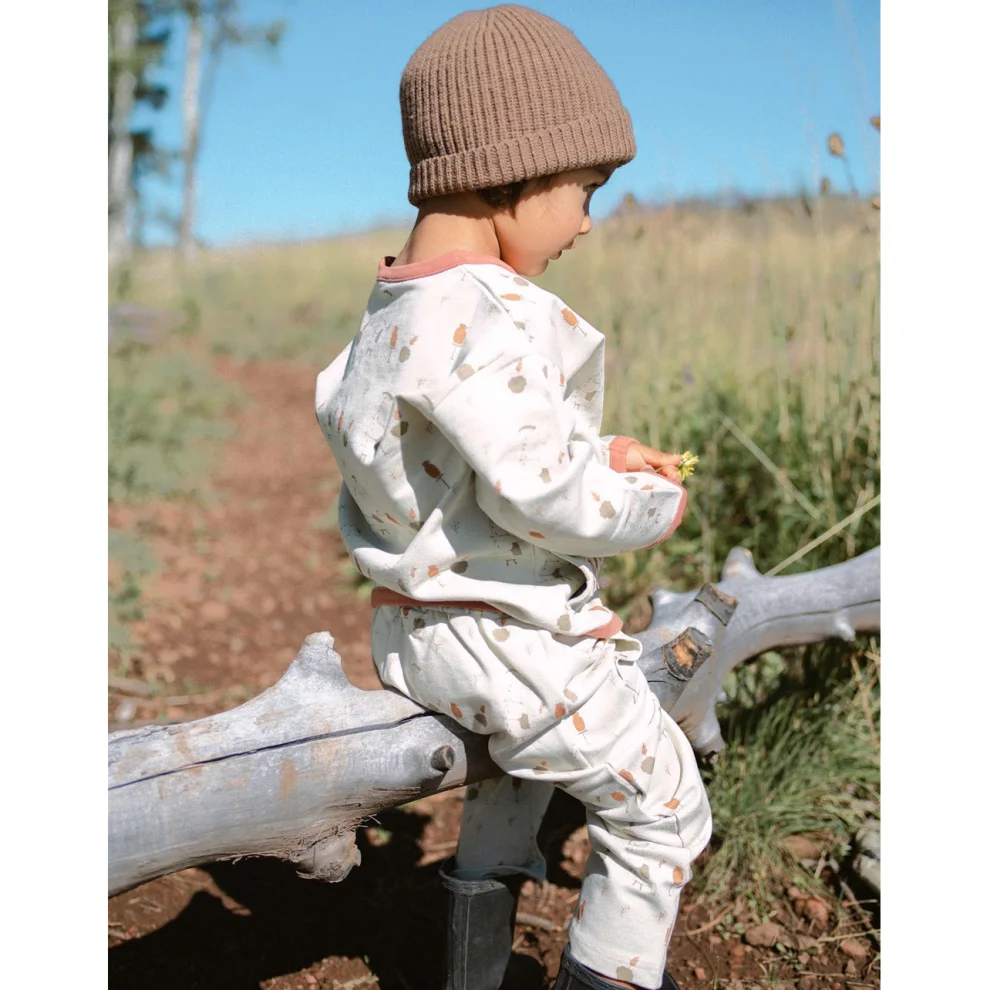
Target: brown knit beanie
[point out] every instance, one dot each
(503, 95)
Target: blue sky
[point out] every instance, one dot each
(723, 95)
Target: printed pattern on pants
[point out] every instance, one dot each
(576, 713)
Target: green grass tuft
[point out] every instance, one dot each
(166, 422)
(799, 758)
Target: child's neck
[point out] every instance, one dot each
(460, 222)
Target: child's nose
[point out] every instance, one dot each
(585, 224)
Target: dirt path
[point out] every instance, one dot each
(242, 583)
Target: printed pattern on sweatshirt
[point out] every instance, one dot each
(465, 418)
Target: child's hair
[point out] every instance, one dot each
(507, 196)
(496, 97)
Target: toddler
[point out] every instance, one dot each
(480, 498)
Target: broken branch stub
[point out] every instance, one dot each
(772, 612)
(290, 774)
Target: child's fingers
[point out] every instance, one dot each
(659, 459)
(671, 473)
(635, 457)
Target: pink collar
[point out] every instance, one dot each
(387, 272)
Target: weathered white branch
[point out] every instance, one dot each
(292, 772)
(831, 603)
(281, 775)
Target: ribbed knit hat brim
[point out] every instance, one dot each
(504, 95)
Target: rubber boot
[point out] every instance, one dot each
(481, 915)
(574, 976)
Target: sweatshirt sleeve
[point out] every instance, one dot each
(539, 476)
(616, 449)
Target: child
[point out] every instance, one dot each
(480, 499)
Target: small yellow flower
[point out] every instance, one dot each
(686, 467)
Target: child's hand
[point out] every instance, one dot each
(639, 457)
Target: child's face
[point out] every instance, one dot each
(548, 220)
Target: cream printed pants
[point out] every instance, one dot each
(574, 713)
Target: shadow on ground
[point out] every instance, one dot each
(388, 911)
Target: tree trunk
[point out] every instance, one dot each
(191, 127)
(123, 40)
(294, 771)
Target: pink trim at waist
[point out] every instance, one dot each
(385, 596)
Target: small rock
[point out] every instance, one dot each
(126, 710)
(815, 911)
(311, 980)
(856, 949)
(802, 846)
(807, 983)
(851, 968)
(805, 942)
(763, 936)
(867, 868)
(214, 611)
(699, 973)
(868, 838)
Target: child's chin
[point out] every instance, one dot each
(534, 268)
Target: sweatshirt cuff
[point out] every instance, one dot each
(678, 515)
(617, 450)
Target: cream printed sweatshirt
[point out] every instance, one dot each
(465, 418)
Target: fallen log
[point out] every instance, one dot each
(294, 771)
